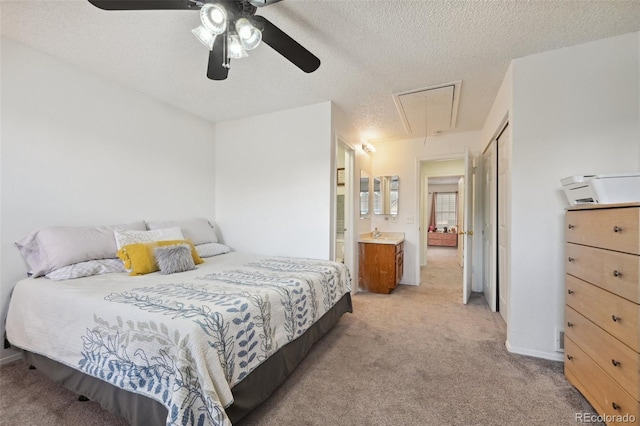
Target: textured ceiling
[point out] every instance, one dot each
(369, 50)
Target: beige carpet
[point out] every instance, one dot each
(415, 357)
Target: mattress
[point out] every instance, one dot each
(183, 340)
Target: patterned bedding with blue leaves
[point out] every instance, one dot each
(184, 339)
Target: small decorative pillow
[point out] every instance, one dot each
(172, 259)
(198, 230)
(139, 258)
(126, 237)
(86, 269)
(211, 249)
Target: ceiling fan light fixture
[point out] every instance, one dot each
(234, 47)
(249, 35)
(204, 36)
(214, 18)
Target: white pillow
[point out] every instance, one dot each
(125, 237)
(198, 230)
(211, 249)
(52, 248)
(86, 269)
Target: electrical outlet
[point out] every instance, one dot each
(410, 220)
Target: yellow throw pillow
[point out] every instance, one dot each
(140, 258)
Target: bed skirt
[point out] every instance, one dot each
(248, 394)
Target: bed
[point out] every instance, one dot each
(201, 347)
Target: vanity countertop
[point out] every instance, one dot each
(384, 238)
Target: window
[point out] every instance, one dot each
(446, 214)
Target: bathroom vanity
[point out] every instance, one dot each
(381, 261)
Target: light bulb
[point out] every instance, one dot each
(214, 18)
(204, 36)
(234, 47)
(249, 35)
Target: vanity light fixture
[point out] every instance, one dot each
(368, 148)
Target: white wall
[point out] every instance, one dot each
(402, 158)
(78, 149)
(575, 111)
(274, 178)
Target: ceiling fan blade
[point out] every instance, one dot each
(216, 71)
(286, 46)
(261, 3)
(144, 4)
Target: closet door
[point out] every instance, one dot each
(504, 221)
(489, 219)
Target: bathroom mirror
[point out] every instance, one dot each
(364, 195)
(385, 195)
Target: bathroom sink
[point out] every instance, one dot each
(384, 239)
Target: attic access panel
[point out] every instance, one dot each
(429, 110)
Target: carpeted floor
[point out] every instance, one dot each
(414, 357)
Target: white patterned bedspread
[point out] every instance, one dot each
(184, 339)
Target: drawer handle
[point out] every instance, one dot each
(617, 273)
(615, 406)
(571, 259)
(569, 324)
(617, 229)
(615, 318)
(615, 363)
(571, 226)
(569, 357)
(570, 291)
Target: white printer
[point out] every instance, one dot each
(602, 189)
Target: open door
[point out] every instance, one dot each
(466, 231)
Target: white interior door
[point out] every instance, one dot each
(468, 231)
(503, 222)
(489, 196)
(460, 222)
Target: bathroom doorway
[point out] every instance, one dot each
(344, 208)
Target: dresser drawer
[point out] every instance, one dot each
(613, 356)
(612, 313)
(614, 271)
(606, 396)
(614, 229)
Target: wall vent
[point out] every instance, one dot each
(430, 110)
(559, 340)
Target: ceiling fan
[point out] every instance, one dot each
(229, 28)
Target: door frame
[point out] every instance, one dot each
(349, 219)
(419, 212)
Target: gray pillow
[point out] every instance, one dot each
(54, 247)
(172, 259)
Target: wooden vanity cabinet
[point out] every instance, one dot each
(381, 266)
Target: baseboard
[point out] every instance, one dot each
(551, 356)
(10, 358)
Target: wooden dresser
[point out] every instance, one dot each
(447, 239)
(381, 266)
(602, 313)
